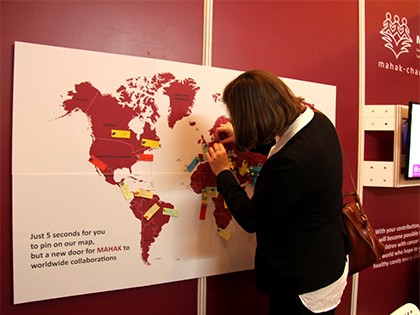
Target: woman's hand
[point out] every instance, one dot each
(225, 133)
(217, 158)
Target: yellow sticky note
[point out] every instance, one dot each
(205, 149)
(212, 192)
(126, 191)
(150, 143)
(244, 168)
(152, 210)
(120, 133)
(225, 234)
(171, 212)
(231, 164)
(143, 193)
(204, 197)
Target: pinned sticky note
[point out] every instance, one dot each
(126, 191)
(204, 196)
(203, 210)
(143, 193)
(205, 149)
(212, 192)
(193, 164)
(254, 172)
(244, 168)
(115, 133)
(171, 212)
(223, 233)
(152, 210)
(98, 163)
(231, 164)
(150, 143)
(145, 157)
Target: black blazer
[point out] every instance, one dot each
(296, 212)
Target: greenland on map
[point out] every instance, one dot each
(111, 189)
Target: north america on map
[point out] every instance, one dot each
(124, 132)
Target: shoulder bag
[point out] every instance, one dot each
(366, 248)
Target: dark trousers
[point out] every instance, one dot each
(284, 304)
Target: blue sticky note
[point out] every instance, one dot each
(193, 164)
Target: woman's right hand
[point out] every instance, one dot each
(217, 158)
(225, 133)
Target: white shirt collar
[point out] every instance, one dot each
(293, 129)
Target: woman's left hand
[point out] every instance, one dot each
(217, 158)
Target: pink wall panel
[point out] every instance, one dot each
(384, 289)
(158, 29)
(391, 80)
(235, 294)
(307, 40)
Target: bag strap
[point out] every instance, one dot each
(353, 193)
(312, 106)
(348, 169)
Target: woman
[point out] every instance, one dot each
(296, 208)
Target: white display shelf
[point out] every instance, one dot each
(386, 173)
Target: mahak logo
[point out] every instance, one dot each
(396, 34)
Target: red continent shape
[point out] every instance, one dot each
(181, 99)
(150, 229)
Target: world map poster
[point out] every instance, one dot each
(111, 188)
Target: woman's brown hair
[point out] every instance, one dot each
(261, 106)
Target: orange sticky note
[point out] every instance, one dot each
(98, 163)
(145, 157)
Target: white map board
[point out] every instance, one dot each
(74, 230)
